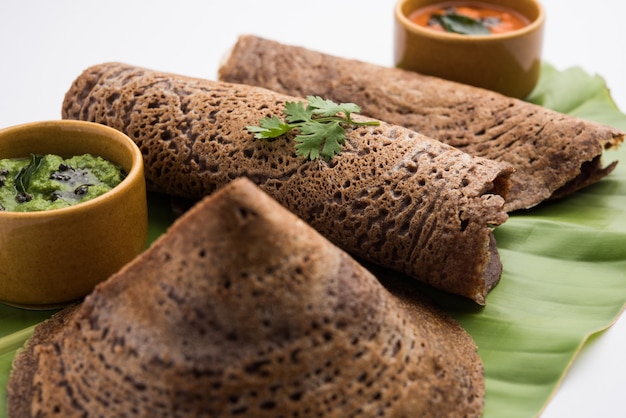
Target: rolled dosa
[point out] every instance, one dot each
(242, 309)
(393, 197)
(553, 154)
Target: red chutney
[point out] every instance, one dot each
(496, 18)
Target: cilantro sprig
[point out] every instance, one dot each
(320, 124)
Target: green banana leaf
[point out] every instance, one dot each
(564, 273)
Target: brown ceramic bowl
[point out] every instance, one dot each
(508, 63)
(50, 258)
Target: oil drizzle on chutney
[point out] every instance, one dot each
(469, 18)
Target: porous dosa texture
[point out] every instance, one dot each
(243, 310)
(553, 154)
(392, 196)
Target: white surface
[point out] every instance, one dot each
(44, 46)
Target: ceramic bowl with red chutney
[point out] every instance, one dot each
(493, 44)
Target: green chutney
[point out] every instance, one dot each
(46, 182)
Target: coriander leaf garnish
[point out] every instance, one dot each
(296, 112)
(320, 123)
(329, 108)
(269, 128)
(327, 136)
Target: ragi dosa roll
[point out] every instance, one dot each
(392, 196)
(554, 154)
(242, 309)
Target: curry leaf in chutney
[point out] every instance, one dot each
(22, 180)
(461, 24)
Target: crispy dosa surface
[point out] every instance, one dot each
(392, 196)
(242, 309)
(553, 154)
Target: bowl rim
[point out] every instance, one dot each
(134, 174)
(534, 25)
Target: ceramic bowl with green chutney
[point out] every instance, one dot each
(73, 210)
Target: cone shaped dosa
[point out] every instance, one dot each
(392, 197)
(242, 309)
(553, 154)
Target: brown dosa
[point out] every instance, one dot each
(242, 309)
(393, 197)
(554, 154)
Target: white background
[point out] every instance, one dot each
(45, 45)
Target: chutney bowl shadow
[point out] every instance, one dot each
(54, 257)
(508, 63)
